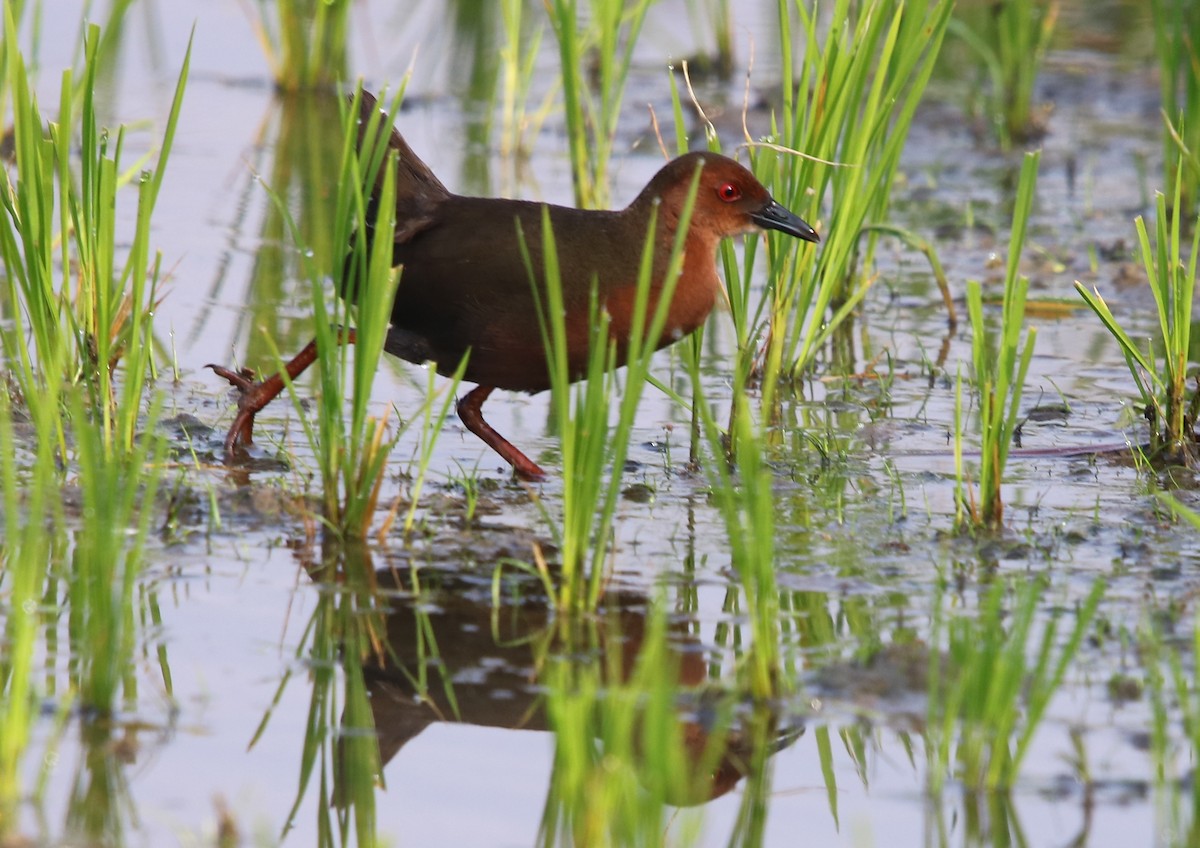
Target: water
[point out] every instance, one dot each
(861, 540)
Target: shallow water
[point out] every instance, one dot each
(862, 540)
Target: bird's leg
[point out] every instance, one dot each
(470, 411)
(253, 396)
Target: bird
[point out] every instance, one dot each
(466, 286)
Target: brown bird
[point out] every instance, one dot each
(466, 287)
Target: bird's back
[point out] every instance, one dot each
(466, 285)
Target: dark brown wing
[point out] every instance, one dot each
(466, 286)
(418, 191)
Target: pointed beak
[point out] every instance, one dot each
(775, 217)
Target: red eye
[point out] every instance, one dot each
(729, 192)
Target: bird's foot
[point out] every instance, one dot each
(525, 468)
(253, 395)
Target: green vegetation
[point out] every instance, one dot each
(82, 332)
(1171, 686)
(742, 489)
(1160, 369)
(714, 19)
(117, 491)
(518, 59)
(593, 108)
(856, 90)
(624, 751)
(581, 414)
(25, 554)
(1176, 24)
(1010, 38)
(642, 724)
(304, 41)
(352, 455)
(78, 345)
(1000, 365)
(989, 691)
(343, 637)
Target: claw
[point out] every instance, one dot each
(254, 395)
(241, 379)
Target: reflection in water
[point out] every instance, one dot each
(302, 135)
(399, 652)
(100, 801)
(453, 656)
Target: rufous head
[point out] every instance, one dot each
(729, 199)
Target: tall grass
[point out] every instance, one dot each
(304, 41)
(518, 60)
(302, 143)
(351, 455)
(78, 351)
(581, 414)
(25, 557)
(622, 752)
(1176, 31)
(86, 325)
(1160, 366)
(118, 492)
(1001, 363)
(343, 636)
(1011, 39)
(990, 690)
(741, 484)
(592, 102)
(714, 18)
(1174, 696)
(848, 103)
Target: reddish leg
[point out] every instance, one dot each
(470, 411)
(253, 396)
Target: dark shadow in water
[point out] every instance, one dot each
(402, 651)
(451, 631)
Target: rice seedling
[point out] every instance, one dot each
(118, 490)
(989, 691)
(76, 313)
(25, 557)
(1167, 669)
(1162, 383)
(342, 637)
(741, 484)
(581, 415)
(518, 59)
(301, 141)
(100, 805)
(593, 108)
(622, 750)
(713, 19)
(304, 41)
(1000, 364)
(84, 331)
(859, 84)
(1011, 39)
(747, 505)
(1176, 24)
(351, 455)
(431, 426)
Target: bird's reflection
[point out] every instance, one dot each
(449, 650)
